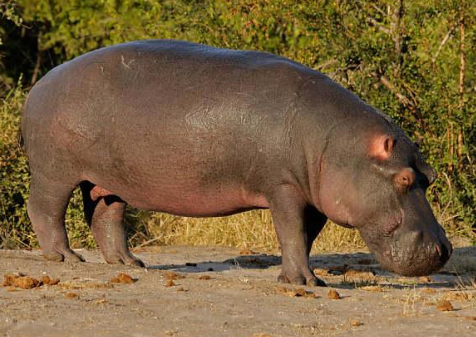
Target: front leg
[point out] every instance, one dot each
(296, 227)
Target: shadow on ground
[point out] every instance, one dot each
(346, 270)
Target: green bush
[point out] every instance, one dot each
(15, 228)
(414, 60)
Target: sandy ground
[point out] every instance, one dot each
(190, 291)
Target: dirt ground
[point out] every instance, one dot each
(203, 291)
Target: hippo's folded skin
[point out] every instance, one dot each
(193, 130)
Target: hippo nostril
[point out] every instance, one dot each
(443, 251)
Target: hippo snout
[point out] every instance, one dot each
(416, 253)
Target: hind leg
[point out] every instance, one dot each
(46, 208)
(105, 215)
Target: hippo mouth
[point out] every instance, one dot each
(424, 261)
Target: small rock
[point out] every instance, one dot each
(355, 322)
(204, 277)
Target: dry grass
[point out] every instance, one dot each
(245, 230)
(252, 229)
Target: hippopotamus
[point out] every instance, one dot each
(199, 131)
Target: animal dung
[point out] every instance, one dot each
(444, 305)
(333, 295)
(46, 280)
(298, 292)
(170, 283)
(122, 278)
(72, 296)
(353, 275)
(26, 282)
(170, 275)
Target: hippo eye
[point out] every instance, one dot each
(404, 179)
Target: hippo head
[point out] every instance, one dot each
(377, 185)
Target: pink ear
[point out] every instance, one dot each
(381, 147)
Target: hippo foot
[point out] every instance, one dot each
(311, 281)
(66, 255)
(127, 259)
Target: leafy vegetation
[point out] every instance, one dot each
(414, 60)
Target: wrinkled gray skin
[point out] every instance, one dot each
(197, 131)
